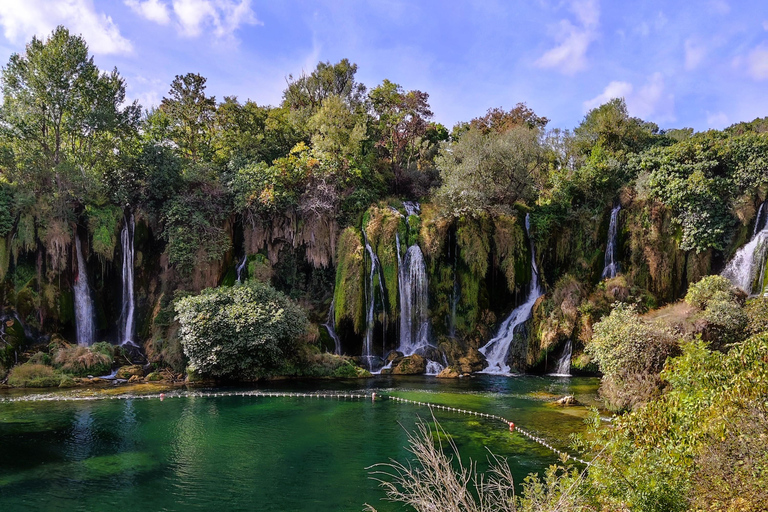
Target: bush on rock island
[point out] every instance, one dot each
(243, 332)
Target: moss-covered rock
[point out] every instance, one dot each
(410, 365)
(128, 371)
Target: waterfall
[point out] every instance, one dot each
(86, 330)
(611, 265)
(411, 208)
(747, 268)
(433, 367)
(496, 350)
(330, 327)
(563, 368)
(368, 355)
(129, 303)
(240, 268)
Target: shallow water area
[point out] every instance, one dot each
(208, 448)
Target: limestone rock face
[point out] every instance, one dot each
(472, 362)
(411, 365)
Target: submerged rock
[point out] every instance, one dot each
(567, 400)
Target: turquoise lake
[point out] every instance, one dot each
(233, 453)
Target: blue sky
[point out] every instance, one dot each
(701, 64)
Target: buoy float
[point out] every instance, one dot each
(511, 427)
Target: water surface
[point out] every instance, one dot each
(262, 453)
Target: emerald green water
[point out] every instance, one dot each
(260, 453)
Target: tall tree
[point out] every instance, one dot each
(403, 119)
(63, 120)
(191, 116)
(309, 91)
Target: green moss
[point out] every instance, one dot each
(509, 242)
(103, 227)
(414, 229)
(5, 257)
(24, 240)
(349, 292)
(473, 236)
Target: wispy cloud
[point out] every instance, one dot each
(153, 10)
(651, 101)
(757, 62)
(22, 19)
(194, 17)
(570, 55)
(717, 120)
(695, 52)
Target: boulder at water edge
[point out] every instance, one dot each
(449, 373)
(411, 365)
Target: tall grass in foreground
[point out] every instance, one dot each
(438, 480)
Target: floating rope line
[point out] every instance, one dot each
(188, 394)
(511, 425)
(273, 394)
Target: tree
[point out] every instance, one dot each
(487, 172)
(308, 92)
(242, 333)
(610, 127)
(499, 120)
(64, 121)
(402, 120)
(190, 114)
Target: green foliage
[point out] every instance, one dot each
(190, 115)
(32, 375)
(490, 172)
(660, 457)
(242, 332)
(102, 224)
(474, 241)
(630, 353)
(757, 315)
(194, 229)
(7, 211)
(709, 288)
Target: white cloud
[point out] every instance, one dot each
(765, 25)
(194, 17)
(570, 55)
(651, 101)
(613, 90)
(757, 62)
(694, 54)
(153, 10)
(22, 19)
(717, 120)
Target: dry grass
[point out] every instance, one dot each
(82, 361)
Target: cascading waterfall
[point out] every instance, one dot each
(497, 349)
(330, 327)
(129, 303)
(240, 268)
(433, 367)
(371, 360)
(611, 265)
(84, 318)
(563, 368)
(747, 268)
(414, 301)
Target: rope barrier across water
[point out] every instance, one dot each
(272, 394)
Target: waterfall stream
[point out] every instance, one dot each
(611, 265)
(747, 268)
(84, 318)
(371, 360)
(563, 368)
(240, 268)
(330, 327)
(414, 301)
(129, 303)
(497, 349)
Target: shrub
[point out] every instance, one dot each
(40, 358)
(707, 289)
(82, 361)
(757, 315)
(32, 375)
(631, 353)
(242, 332)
